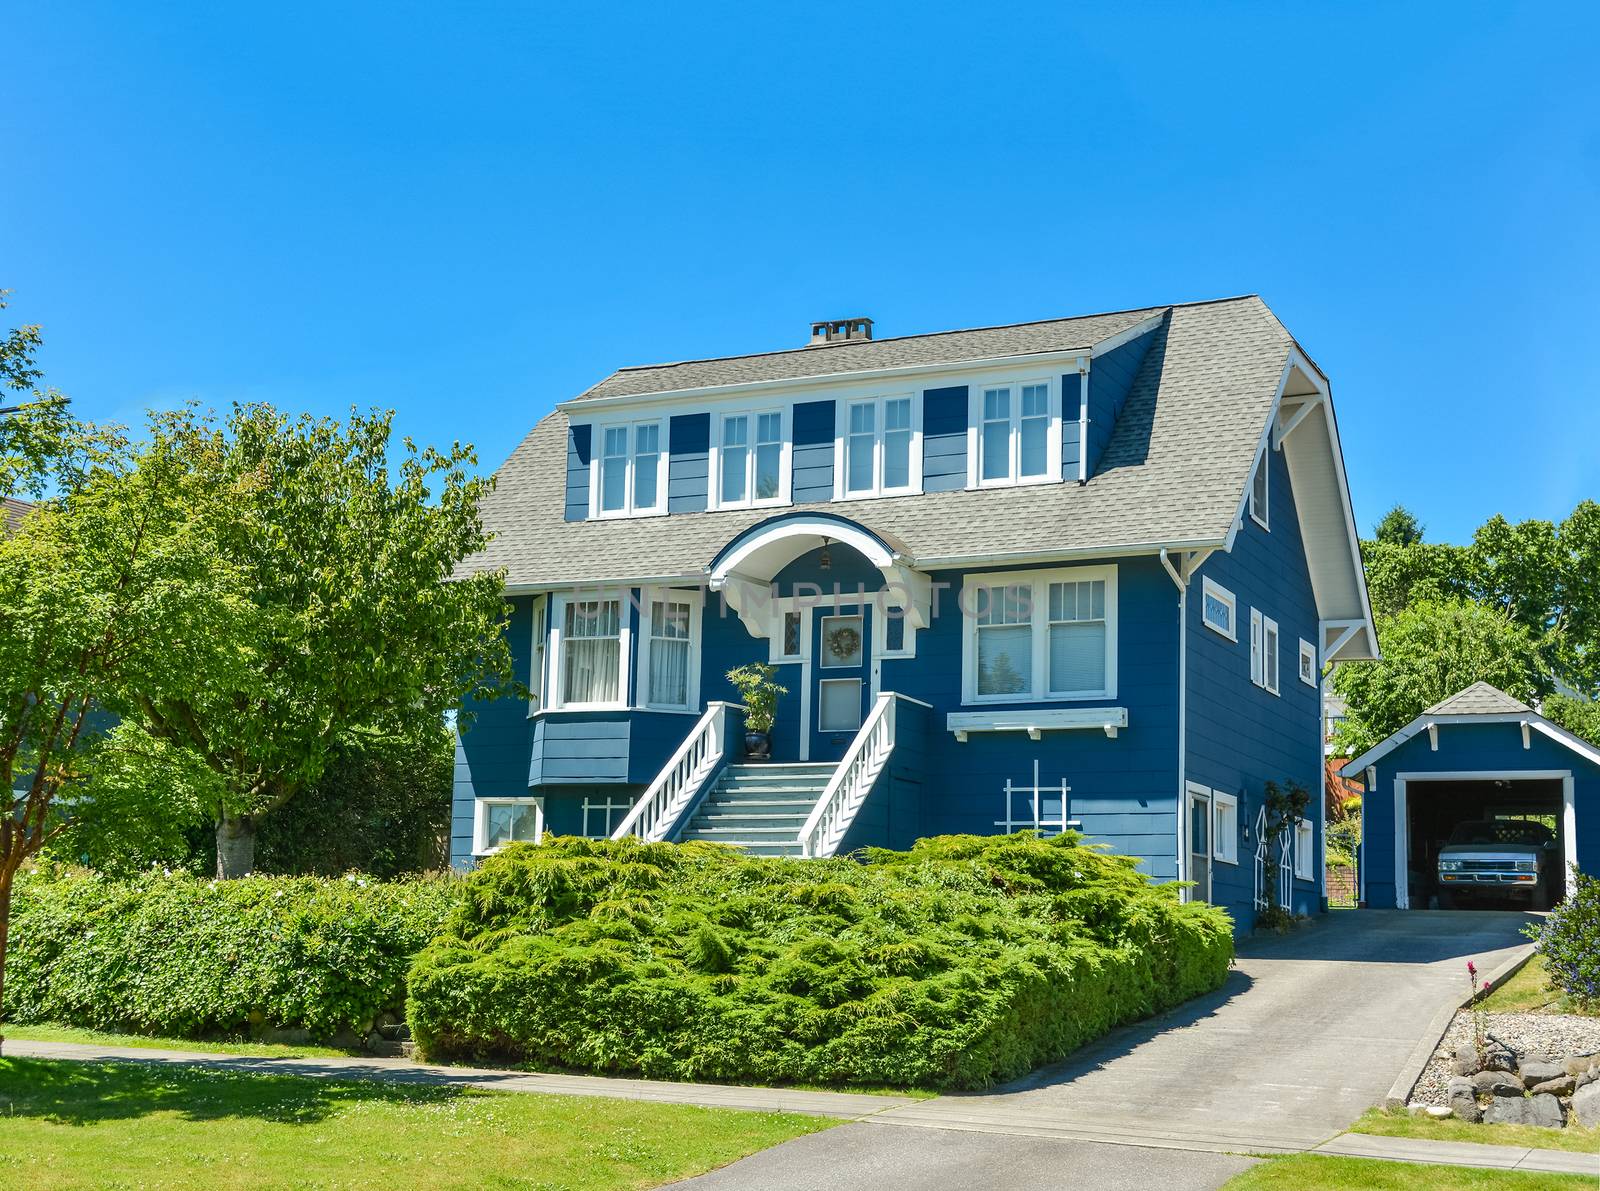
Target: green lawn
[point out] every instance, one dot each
(1399, 1124)
(1529, 991)
(1300, 1172)
(110, 1126)
(254, 1050)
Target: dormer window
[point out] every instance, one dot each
(877, 453)
(752, 460)
(632, 470)
(1016, 426)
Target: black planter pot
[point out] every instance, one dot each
(758, 745)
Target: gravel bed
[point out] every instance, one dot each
(1553, 1035)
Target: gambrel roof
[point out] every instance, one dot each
(1173, 474)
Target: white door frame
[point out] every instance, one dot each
(1402, 819)
(829, 605)
(1192, 791)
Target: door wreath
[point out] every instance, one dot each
(844, 643)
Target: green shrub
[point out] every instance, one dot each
(173, 954)
(962, 962)
(1569, 941)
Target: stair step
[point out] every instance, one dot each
(763, 847)
(736, 811)
(720, 831)
(758, 804)
(798, 792)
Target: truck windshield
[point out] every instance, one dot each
(1501, 831)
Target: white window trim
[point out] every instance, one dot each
(882, 614)
(605, 804)
(1211, 588)
(1040, 580)
(1305, 850)
(695, 598)
(538, 654)
(841, 446)
(1308, 650)
(557, 668)
(480, 822)
(780, 607)
(597, 455)
(1259, 626)
(1261, 516)
(1052, 469)
(1224, 843)
(714, 500)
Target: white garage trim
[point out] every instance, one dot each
(1402, 820)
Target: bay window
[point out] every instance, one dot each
(591, 656)
(878, 437)
(632, 466)
(1017, 428)
(1040, 635)
(751, 458)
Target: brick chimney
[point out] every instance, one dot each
(840, 330)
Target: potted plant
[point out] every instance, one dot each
(759, 693)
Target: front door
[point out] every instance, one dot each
(841, 652)
(1200, 845)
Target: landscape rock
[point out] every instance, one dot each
(1463, 1100)
(286, 1035)
(373, 1041)
(1498, 1083)
(1563, 1085)
(346, 1040)
(1541, 1111)
(1438, 1112)
(1465, 1061)
(1586, 1106)
(1535, 1071)
(1588, 1077)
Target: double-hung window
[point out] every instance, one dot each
(752, 457)
(1305, 850)
(1225, 827)
(1039, 636)
(592, 656)
(878, 436)
(1018, 432)
(671, 634)
(1263, 651)
(1258, 490)
(632, 470)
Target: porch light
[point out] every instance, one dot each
(825, 559)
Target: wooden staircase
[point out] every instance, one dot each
(759, 808)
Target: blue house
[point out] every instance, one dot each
(1478, 756)
(1084, 573)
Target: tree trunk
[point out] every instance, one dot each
(5, 934)
(236, 846)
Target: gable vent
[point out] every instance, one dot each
(840, 330)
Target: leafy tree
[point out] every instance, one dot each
(1581, 717)
(354, 632)
(1399, 576)
(1431, 651)
(1399, 528)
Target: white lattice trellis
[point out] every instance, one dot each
(1044, 809)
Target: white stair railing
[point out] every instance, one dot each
(864, 760)
(657, 812)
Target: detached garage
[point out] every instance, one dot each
(1480, 800)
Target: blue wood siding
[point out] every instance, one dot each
(496, 737)
(1464, 748)
(591, 748)
(813, 451)
(689, 447)
(944, 439)
(1239, 735)
(1110, 380)
(1071, 424)
(578, 444)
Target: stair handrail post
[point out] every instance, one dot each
(873, 741)
(653, 817)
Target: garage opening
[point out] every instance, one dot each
(1492, 836)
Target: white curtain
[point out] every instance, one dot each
(669, 654)
(593, 652)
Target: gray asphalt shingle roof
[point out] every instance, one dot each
(1478, 699)
(1173, 472)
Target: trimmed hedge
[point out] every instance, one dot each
(173, 954)
(965, 961)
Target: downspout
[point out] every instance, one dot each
(1181, 859)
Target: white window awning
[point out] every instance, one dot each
(1037, 721)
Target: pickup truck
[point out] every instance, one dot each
(1513, 858)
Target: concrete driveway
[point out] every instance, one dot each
(1306, 1034)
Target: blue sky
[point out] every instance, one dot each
(469, 212)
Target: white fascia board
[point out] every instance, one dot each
(1115, 341)
(949, 561)
(1423, 722)
(694, 579)
(579, 404)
